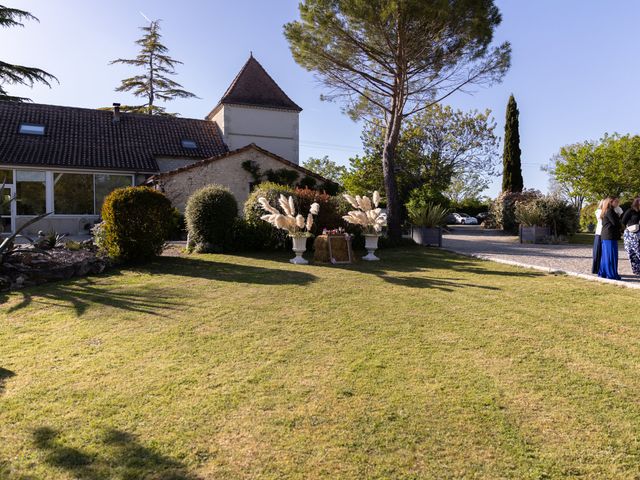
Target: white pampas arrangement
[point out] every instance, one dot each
(367, 214)
(295, 224)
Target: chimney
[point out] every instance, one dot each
(116, 113)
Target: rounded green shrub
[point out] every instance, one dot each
(136, 223)
(210, 215)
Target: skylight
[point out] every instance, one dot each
(189, 144)
(31, 129)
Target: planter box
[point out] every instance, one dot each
(533, 234)
(427, 235)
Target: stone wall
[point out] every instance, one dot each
(226, 171)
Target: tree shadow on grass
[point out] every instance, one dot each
(445, 285)
(83, 293)
(120, 455)
(4, 375)
(228, 272)
(419, 262)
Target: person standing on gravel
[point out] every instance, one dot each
(597, 240)
(611, 228)
(631, 221)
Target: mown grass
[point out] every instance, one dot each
(581, 238)
(425, 365)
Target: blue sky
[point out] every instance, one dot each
(574, 71)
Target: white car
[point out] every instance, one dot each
(464, 219)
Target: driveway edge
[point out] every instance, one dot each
(556, 271)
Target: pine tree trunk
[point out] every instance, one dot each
(390, 184)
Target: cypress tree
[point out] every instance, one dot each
(154, 83)
(512, 175)
(19, 74)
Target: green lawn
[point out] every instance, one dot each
(425, 365)
(582, 238)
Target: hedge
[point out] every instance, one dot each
(210, 215)
(136, 224)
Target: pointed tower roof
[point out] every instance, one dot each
(254, 86)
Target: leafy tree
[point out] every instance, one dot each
(325, 167)
(19, 74)
(390, 59)
(466, 186)
(436, 146)
(364, 175)
(155, 83)
(512, 175)
(593, 170)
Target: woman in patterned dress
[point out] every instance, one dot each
(631, 221)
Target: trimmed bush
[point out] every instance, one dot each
(210, 215)
(136, 224)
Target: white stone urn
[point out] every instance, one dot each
(299, 247)
(371, 244)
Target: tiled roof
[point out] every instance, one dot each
(253, 146)
(86, 138)
(254, 86)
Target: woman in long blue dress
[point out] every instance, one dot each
(611, 229)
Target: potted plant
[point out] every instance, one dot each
(532, 222)
(370, 218)
(426, 220)
(298, 228)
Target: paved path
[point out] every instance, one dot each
(493, 245)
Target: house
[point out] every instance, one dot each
(66, 160)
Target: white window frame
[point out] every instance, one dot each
(49, 195)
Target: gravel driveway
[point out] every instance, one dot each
(494, 245)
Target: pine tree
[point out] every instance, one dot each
(512, 176)
(155, 83)
(19, 74)
(389, 60)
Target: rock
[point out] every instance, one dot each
(28, 267)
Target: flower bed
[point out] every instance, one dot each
(27, 266)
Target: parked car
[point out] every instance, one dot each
(468, 219)
(460, 219)
(453, 219)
